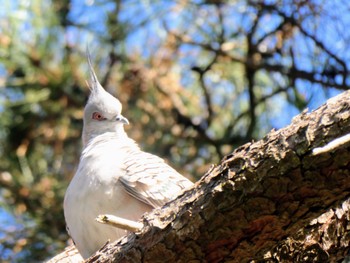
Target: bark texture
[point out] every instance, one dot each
(284, 198)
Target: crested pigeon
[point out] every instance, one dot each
(114, 176)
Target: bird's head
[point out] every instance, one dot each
(103, 112)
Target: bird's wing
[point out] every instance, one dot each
(149, 179)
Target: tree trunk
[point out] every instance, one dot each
(283, 198)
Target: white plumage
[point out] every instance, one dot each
(114, 176)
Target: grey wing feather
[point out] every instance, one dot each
(149, 179)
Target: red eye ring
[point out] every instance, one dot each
(98, 116)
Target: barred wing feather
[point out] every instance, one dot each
(149, 179)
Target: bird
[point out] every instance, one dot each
(114, 175)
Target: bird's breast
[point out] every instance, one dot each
(95, 190)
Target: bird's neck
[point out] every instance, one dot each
(90, 134)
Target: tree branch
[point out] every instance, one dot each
(283, 196)
(317, 42)
(201, 72)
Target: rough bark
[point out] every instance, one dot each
(284, 198)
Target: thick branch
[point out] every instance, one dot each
(283, 196)
(310, 244)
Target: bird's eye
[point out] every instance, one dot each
(98, 116)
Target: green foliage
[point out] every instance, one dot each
(196, 79)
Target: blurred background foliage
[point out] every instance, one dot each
(196, 79)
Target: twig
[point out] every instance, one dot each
(332, 145)
(119, 222)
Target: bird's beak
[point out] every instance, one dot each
(122, 119)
